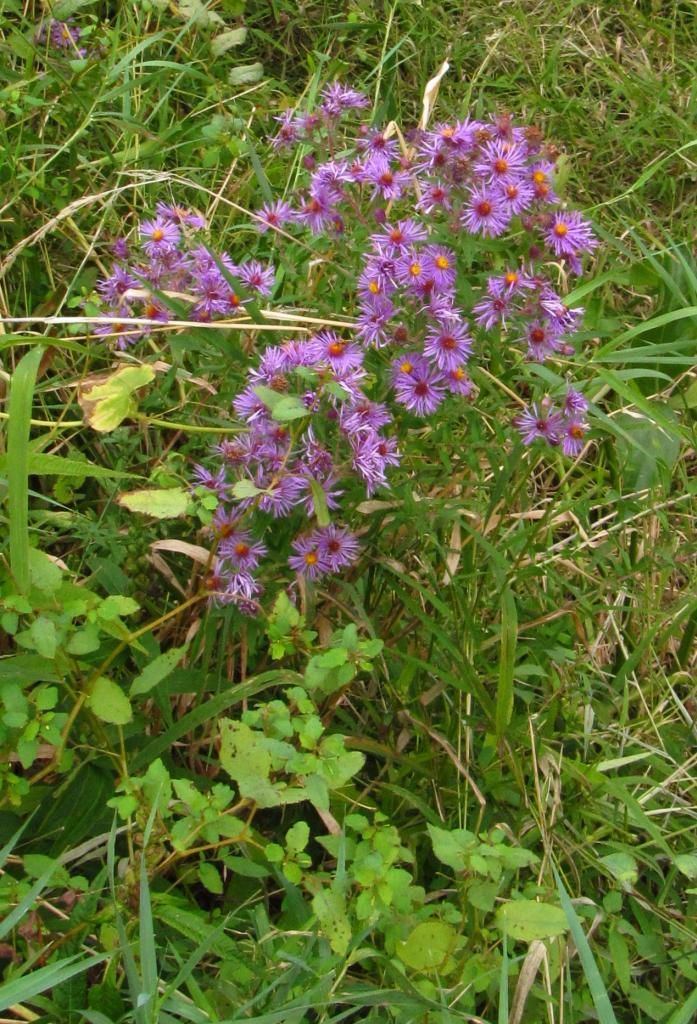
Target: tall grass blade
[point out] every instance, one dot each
(21, 394)
(606, 1014)
(509, 635)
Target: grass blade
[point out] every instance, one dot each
(20, 990)
(606, 1015)
(509, 635)
(21, 394)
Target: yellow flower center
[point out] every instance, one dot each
(538, 177)
(459, 373)
(157, 235)
(336, 348)
(511, 277)
(415, 269)
(374, 287)
(442, 262)
(406, 366)
(310, 558)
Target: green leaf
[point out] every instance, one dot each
(319, 501)
(19, 409)
(210, 878)
(44, 574)
(20, 990)
(330, 908)
(509, 635)
(482, 895)
(54, 465)
(686, 863)
(109, 703)
(289, 408)
(428, 946)
(246, 74)
(165, 503)
(527, 920)
(116, 605)
(453, 848)
(244, 489)
(157, 670)
(107, 402)
(623, 867)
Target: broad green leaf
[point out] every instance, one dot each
(109, 703)
(157, 670)
(244, 489)
(453, 848)
(428, 946)
(289, 408)
(527, 920)
(116, 605)
(686, 863)
(44, 574)
(330, 908)
(623, 867)
(210, 879)
(107, 402)
(160, 503)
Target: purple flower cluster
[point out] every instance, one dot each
(172, 263)
(565, 426)
(427, 218)
(471, 178)
(62, 35)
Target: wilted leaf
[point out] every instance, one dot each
(165, 503)
(226, 40)
(246, 74)
(108, 401)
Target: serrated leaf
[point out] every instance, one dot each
(226, 40)
(528, 920)
(157, 670)
(453, 848)
(246, 74)
(107, 401)
(109, 703)
(160, 503)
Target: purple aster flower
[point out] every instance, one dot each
(372, 321)
(491, 310)
(309, 560)
(542, 339)
(387, 183)
(409, 366)
(120, 249)
(316, 213)
(215, 482)
(575, 404)
(485, 213)
(398, 238)
(120, 334)
(458, 382)
(274, 363)
(501, 162)
(289, 131)
(179, 215)
(421, 392)
(257, 277)
(114, 287)
(411, 269)
(434, 197)
(570, 234)
(331, 178)
(373, 141)
(160, 236)
(65, 36)
(372, 454)
(516, 197)
(337, 546)
(541, 181)
(274, 215)
(328, 347)
(572, 438)
(373, 282)
(364, 414)
(248, 406)
(282, 495)
(211, 290)
(440, 265)
(337, 98)
(240, 551)
(448, 344)
(543, 423)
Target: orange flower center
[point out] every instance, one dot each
(512, 191)
(415, 269)
(511, 277)
(537, 335)
(310, 558)
(442, 262)
(157, 235)
(406, 366)
(448, 342)
(459, 373)
(538, 177)
(241, 549)
(576, 431)
(560, 230)
(374, 287)
(234, 299)
(336, 348)
(500, 165)
(387, 178)
(484, 208)
(396, 235)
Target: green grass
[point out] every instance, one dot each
(538, 617)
